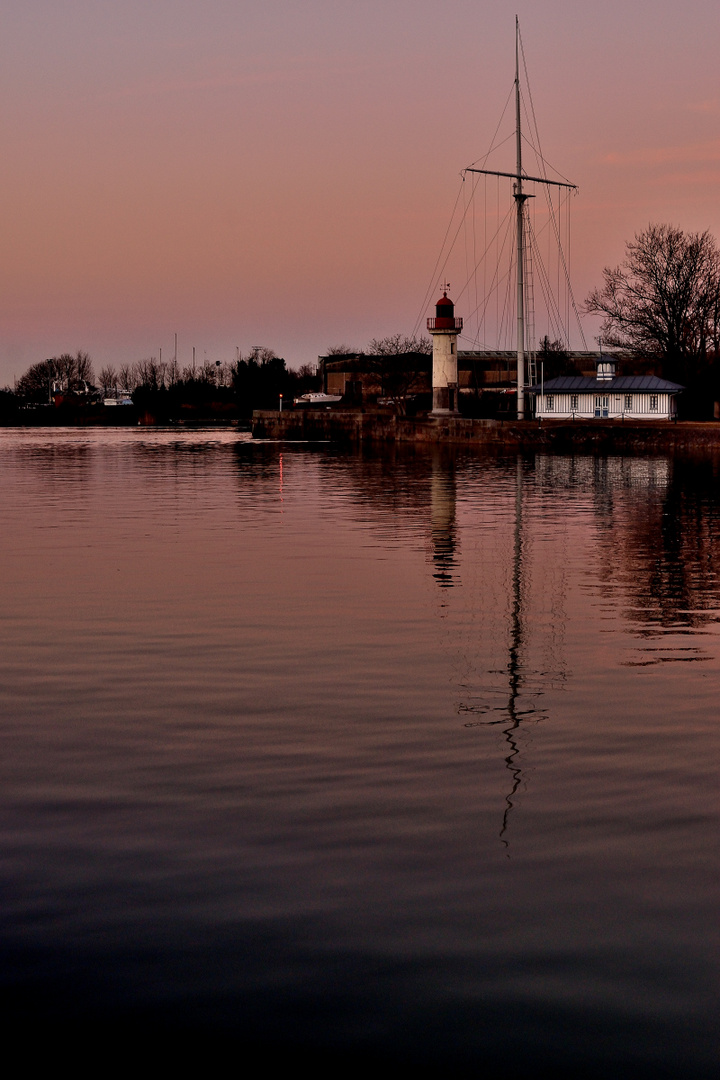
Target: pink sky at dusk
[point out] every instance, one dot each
(283, 174)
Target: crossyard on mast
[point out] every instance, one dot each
(520, 197)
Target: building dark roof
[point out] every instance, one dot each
(574, 354)
(627, 383)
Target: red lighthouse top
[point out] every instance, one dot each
(444, 315)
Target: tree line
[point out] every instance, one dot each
(163, 388)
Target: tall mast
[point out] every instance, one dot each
(519, 201)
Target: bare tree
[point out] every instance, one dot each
(36, 383)
(84, 367)
(206, 373)
(151, 373)
(400, 343)
(555, 359)
(126, 379)
(74, 373)
(65, 373)
(341, 350)
(108, 379)
(225, 374)
(261, 354)
(664, 299)
(401, 365)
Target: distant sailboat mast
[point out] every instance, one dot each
(520, 197)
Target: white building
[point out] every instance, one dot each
(606, 397)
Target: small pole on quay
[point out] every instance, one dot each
(542, 390)
(281, 403)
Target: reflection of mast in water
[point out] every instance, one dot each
(442, 521)
(516, 640)
(523, 682)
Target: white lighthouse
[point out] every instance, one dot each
(445, 329)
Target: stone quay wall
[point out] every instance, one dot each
(602, 436)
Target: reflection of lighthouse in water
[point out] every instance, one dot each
(442, 521)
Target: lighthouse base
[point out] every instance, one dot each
(445, 401)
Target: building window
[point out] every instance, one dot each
(628, 402)
(653, 402)
(549, 403)
(573, 402)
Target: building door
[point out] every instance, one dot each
(602, 406)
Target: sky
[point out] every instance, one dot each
(284, 174)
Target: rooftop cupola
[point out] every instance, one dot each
(605, 369)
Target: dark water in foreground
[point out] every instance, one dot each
(402, 758)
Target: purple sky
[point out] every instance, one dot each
(283, 174)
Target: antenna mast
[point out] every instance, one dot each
(520, 197)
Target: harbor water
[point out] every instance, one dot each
(405, 757)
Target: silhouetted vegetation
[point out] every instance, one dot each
(555, 360)
(400, 344)
(341, 350)
(65, 374)
(9, 407)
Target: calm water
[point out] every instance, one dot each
(407, 757)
